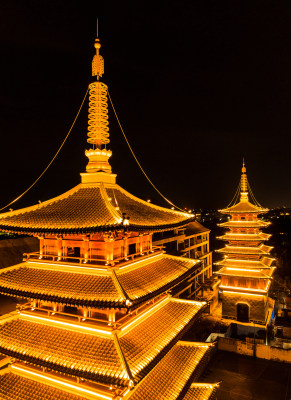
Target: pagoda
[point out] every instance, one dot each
(99, 321)
(246, 270)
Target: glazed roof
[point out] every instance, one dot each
(265, 262)
(245, 236)
(245, 250)
(15, 387)
(203, 391)
(89, 208)
(243, 207)
(172, 374)
(108, 356)
(94, 286)
(258, 274)
(195, 228)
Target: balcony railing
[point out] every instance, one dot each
(91, 261)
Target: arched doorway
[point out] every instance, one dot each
(243, 312)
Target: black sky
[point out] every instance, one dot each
(197, 86)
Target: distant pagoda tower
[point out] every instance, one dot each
(100, 321)
(246, 270)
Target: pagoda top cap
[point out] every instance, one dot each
(243, 170)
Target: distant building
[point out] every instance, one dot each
(191, 241)
(246, 270)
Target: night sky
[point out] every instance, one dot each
(197, 85)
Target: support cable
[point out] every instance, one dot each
(235, 197)
(253, 197)
(138, 163)
(52, 160)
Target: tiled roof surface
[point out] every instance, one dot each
(195, 228)
(65, 286)
(94, 356)
(150, 277)
(245, 250)
(145, 341)
(15, 387)
(264, 274)
(245, 237)
(90, 208)
(244, 207)
(141, 212)
(86, 355)
(265, 262)
(172, 373)
(201, 392)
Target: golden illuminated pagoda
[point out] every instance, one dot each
(100, 321)
(246, 270)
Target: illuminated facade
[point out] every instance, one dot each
(246, 270)
(191, 241)
(100, 321)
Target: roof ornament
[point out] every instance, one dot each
(98, 125)
(244, 184)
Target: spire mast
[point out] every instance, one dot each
(98, 125)
(244, 184)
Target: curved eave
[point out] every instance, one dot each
(101, 303)
(94, 229)
(98, 378)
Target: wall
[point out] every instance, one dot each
(256, 304)
(262, 351)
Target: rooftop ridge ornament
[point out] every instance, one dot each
(98, 126)
(244, 184)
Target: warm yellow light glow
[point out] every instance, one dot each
(148, 259)
(243, 269)
(48, 378)
(245, 294)
(56, 322)
(244, 289)
(65, 265)
(151, 310)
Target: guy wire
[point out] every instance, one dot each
(52, 160)
(134, 156)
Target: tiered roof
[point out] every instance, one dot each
(244, 224)
(261, 250)
(265, 262)
(90, 208)
(98, 354)
(245, 237)
(58, 355)
(167, 381)
(129, 284)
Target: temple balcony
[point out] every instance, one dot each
(91, 261)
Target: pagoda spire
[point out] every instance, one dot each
(244, 197)
(98, 125)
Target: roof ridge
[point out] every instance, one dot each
(151, 204)
(109, 205)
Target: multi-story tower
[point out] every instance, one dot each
(100, 322)
(246, 270)
(191, 241)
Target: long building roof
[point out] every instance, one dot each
(94, 353)
(89, 208)
(114, 287)
(172, 374)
